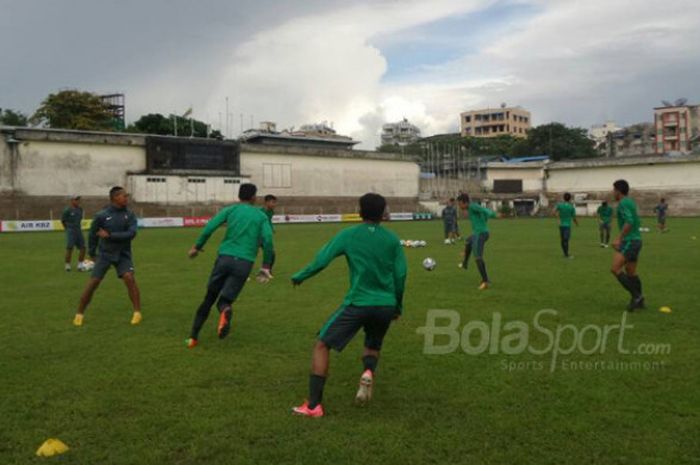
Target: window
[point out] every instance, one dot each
(232, 181)
(196, 180)
(155, 179)
(467, 119)
(277, 175)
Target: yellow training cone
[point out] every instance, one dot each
(51, 447)
(665, 309)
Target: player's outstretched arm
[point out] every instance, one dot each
(93, 239)
(267, 244)
(218, 219)
(324, 257)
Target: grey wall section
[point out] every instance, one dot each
(40, 168)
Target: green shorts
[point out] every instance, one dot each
(74, 239)
(631, 250)
(122, 263)
(342, 326)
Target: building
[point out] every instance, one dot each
(676, 125)
(309, 135)
(400, 133)
(636, 140)
(599, 132)
(514, 121)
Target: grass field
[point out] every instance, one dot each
(118, 394)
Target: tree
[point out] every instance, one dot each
(12, 118)
(156, 123)
(557, 141)
(73, 109)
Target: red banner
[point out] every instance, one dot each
(196, 221)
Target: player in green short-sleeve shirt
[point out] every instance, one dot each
(567, 215)
(627, 245)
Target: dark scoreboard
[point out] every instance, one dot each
(171, 153)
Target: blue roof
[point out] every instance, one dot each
(527, 159)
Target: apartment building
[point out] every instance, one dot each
(514, 121)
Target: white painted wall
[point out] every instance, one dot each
(184, 189)
(63, 168)
(659, 176)
(308, 175)
(532, 175)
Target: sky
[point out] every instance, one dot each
(356, 64)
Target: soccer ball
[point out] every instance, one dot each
(422, 243)
(429, 264)
(87, 265)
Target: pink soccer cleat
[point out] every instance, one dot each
(305, 411)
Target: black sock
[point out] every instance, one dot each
(565, 247)
(607, 236)
(637, 283)
(601, 237)
(627, 284)
(370, 362)
(482, 270)
(316, 383)
(202, 313)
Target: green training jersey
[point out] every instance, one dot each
(605, 213)
(269, 214)
(627, 214)
(479, 217)
(376, 261)
(567, 213)
(72, 218)
(246, 228)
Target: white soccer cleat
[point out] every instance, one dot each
(67, 267)
(364, 392)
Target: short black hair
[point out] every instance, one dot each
(605, 203)
(452, 199)
(114, 191)
(269, 197)
(567, 196)
(247, 191)
(372, 207)
(662, 199)
(622, 186)
(464, 198)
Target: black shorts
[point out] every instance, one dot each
(478, 242)
(450, 227)
(74, 239)
(605, 226)
(565, 232)
(631, 250)
(228, 276)
(122, 263)
(342, 326)
(661, 220)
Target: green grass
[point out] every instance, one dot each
(118, 394)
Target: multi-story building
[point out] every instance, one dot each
(676, 126)
(599, 132)
(401, 133)
(514, 121)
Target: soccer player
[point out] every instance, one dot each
(567, 214)
(270, 202)
(113, 229)
(71, 219)
(478, 216)
(660, 211)
(246, 228)
(627, 245)
(605, 213)
(449, 220)
(377, 278)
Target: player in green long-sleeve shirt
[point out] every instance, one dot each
(605, 213)
(567, 215)
(268, 208)
(627, 245)
(71, 219)
(478, 216)
(377, 279)
(246, 228)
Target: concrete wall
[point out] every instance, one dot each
(532, 175)
(182, 190)
(310, 173)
